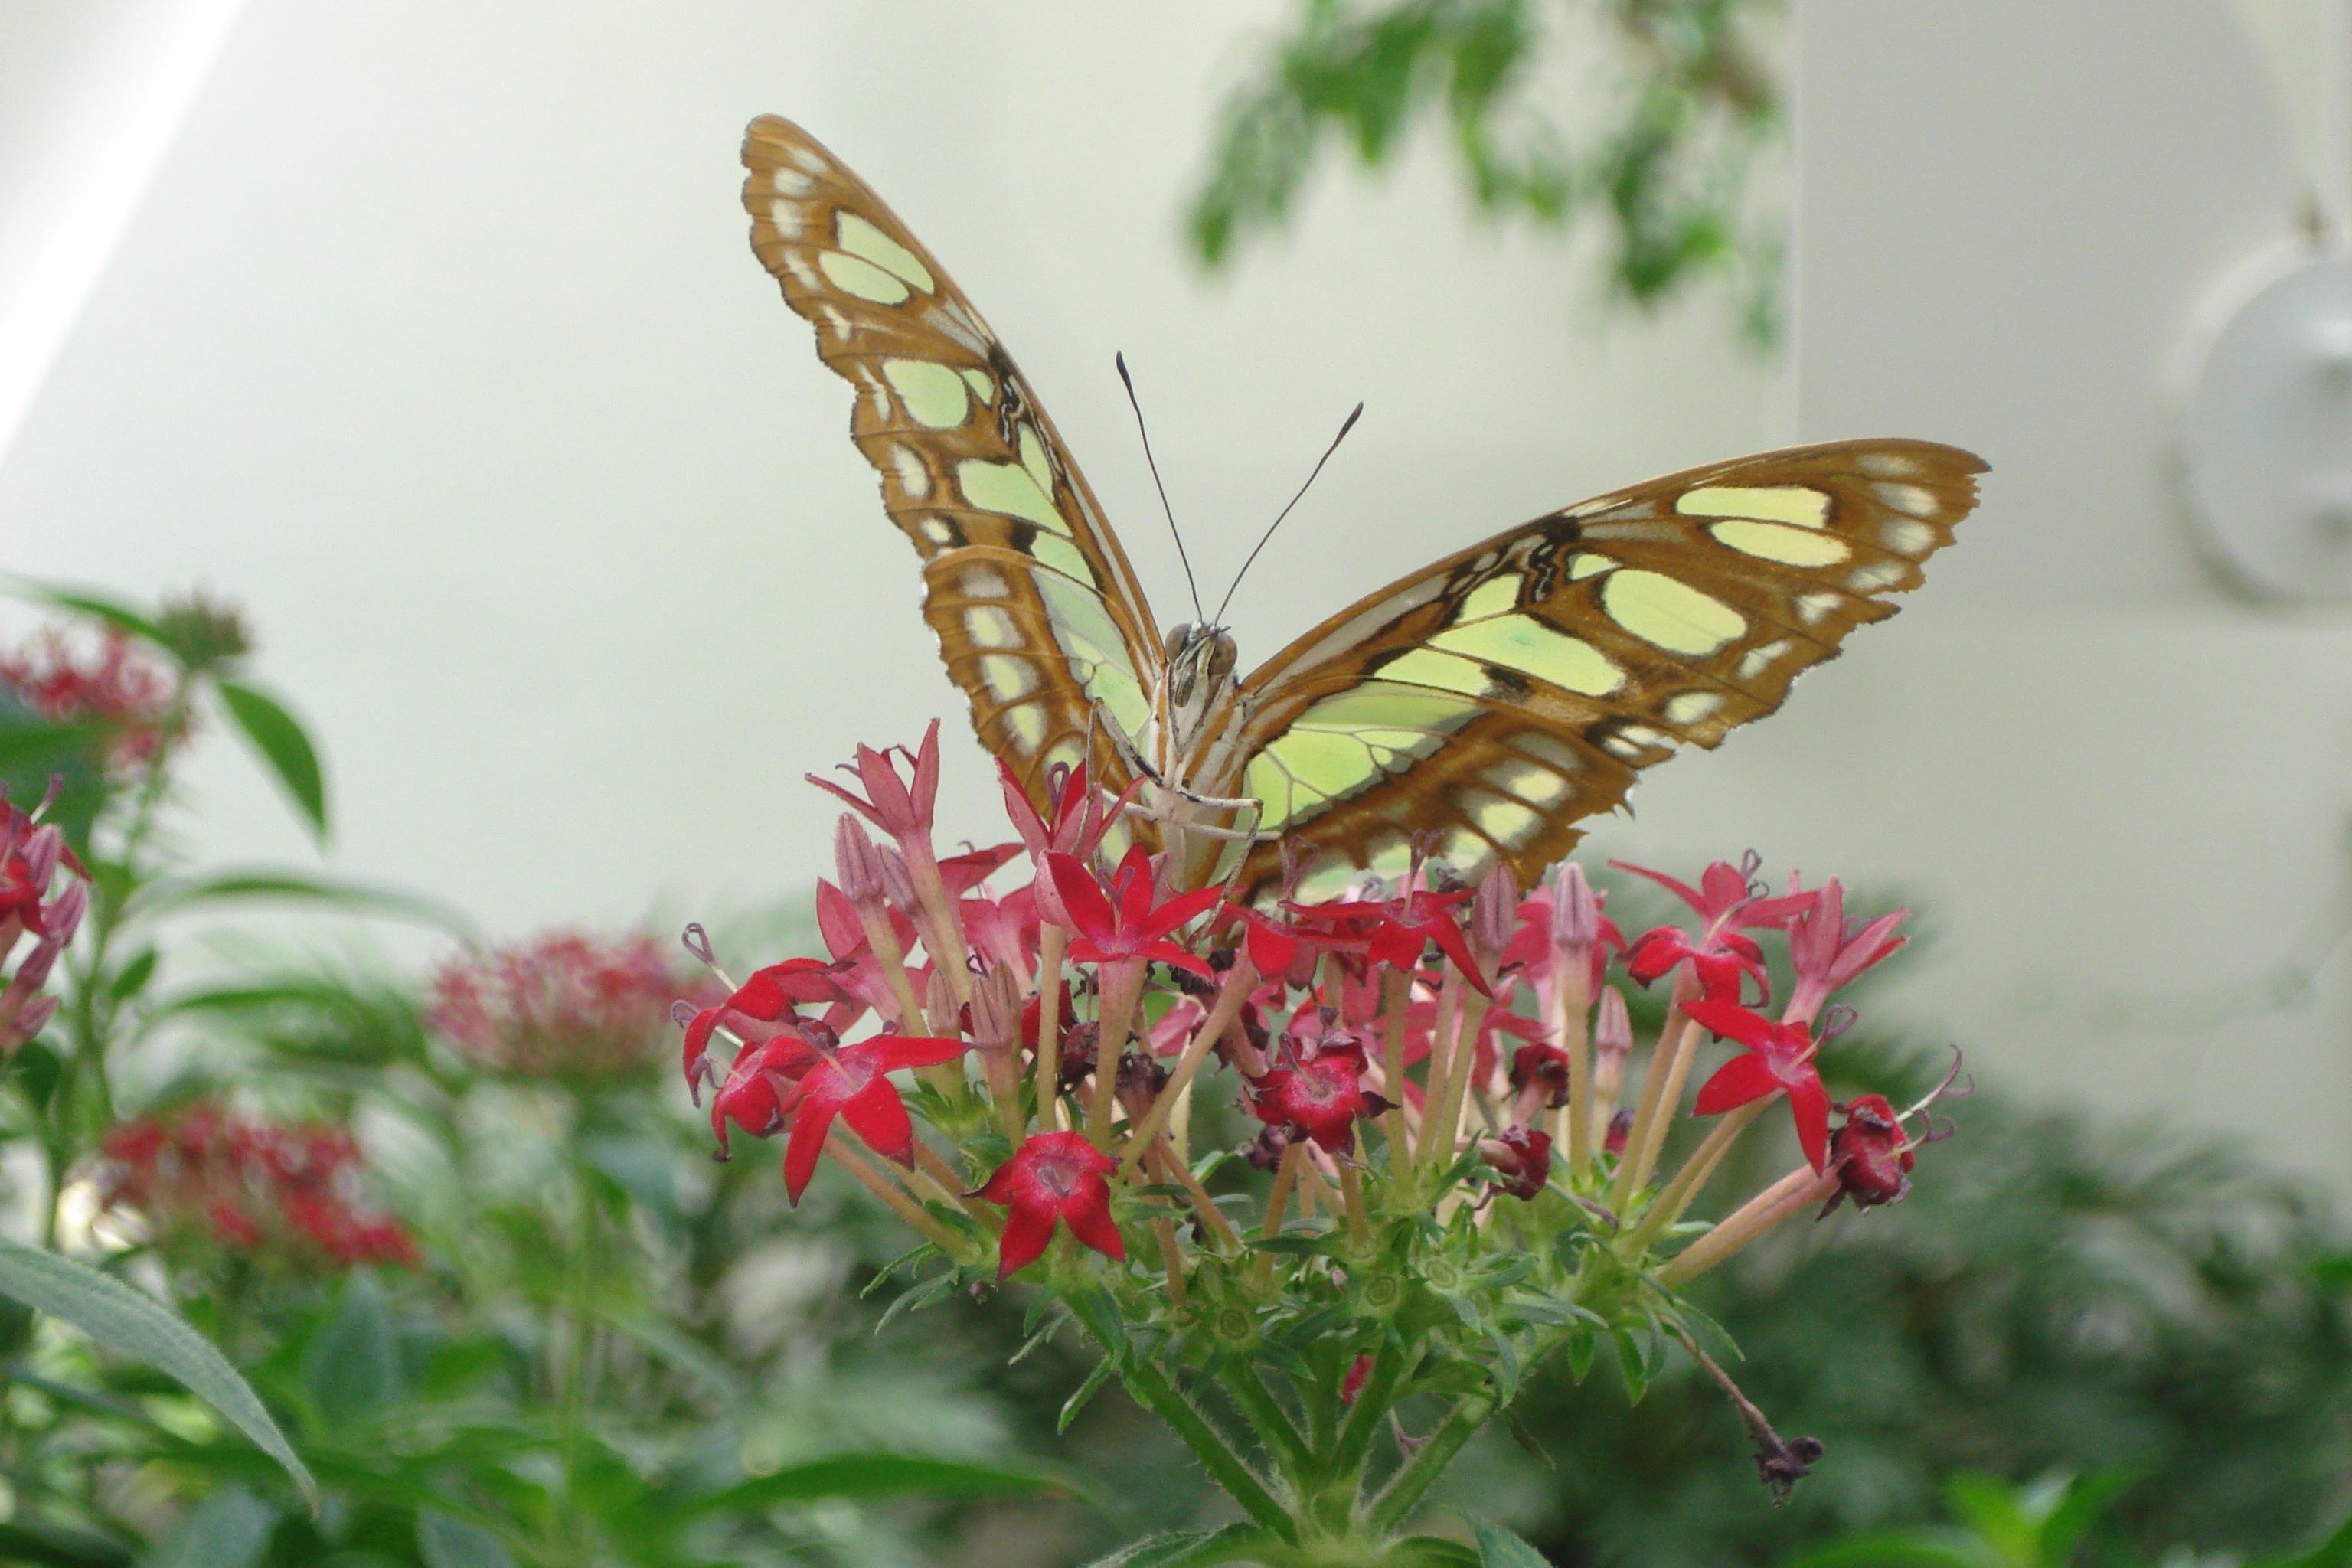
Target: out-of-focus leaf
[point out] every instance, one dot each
(352, 1368)
(1498, 1548)
(133, 976)
(278, 737)
(228, 1529)
(294, 886)
(1437, 1551)
(1895, 1549)
(1187, 1549)
(706, 1368)
(138, 1325)
(858, 1475)
(54, 1547)
(33, 754)
(91, 602)
(446, 1543)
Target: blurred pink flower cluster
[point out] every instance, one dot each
(564, 1005)
(284, 1192)
(65, 680)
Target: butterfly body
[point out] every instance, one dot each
(1480, 708)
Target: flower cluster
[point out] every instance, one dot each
(283, 1193)
(564, 1005)
(1459, 1168)
(112, 685)
(44, 893)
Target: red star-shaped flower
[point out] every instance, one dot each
(772, 996)
(1124, 925)
(1827, 955)
(1319, 1098)
(1779, 1057)
(1393, 931)
(1726, 903)
(1053, 1177)
(853, 1083)
(900, 807)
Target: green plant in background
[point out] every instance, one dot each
(523, 1365)
(1682, 96)
(2051, 1523)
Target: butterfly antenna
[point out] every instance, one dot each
(1128, 382)
(1345, 426)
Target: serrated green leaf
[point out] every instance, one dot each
(1084, 1392)
(446, 1543)
(140, 1327)
(1498, 1548)
(278, 739)
(1187, 1549)
(1506, 1367)
(1631, 1364)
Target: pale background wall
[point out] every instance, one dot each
(435, 340)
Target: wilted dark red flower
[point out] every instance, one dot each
(1053, 1176)
(1522, 1157)
(1871, 1154)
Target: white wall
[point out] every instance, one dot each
(438, 343)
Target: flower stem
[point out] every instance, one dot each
(1571, 1031)
(1240, 981)
(1396, 1001)
(901, 1203)
(1407, 1487)
(1693, 1177)
(1792, 1194)
(1053, 942)
(1153, 1390)
(1656, 1106)
(1390, 1366)
(1122, 986)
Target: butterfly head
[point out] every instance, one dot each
(1199, 663)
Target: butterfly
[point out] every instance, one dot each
(1478, 710)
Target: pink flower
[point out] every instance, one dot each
(1828, 953)
(1726, 903)
(853, 1083)
(562, 1005)
(900, 807)
(1780, 1059)
(1126, 925)
(1053, 1176)
(118, 688)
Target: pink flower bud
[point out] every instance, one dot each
(859, 863)
(1494, 910)
(997, 1009)
(1612, 1026)
(41, 853)
(66, 911)
(1576, 918)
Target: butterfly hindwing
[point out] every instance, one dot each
(1485, 705)
(1038, 613)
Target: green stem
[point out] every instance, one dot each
(1390, 1367)
(1153, 1390)
(1406, 1488)
(1271, 1423)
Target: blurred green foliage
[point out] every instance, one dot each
(1643, 117)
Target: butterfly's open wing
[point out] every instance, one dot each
(1491, 702)
(1038, 613)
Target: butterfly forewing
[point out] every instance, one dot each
(1038, 613)
(1485, 705)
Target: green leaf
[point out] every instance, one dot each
(351, 1367)
(140, 1327)
(1895, 1549)
(91, 602)
(860, 1476)
(1437, 1551)
(1498, 1548)
(1085, 1391)
(133, 976)
(278, 739)
(446, 1543)
(1187, 1549)
(228, 1529)
(58, 1546)
(178, 893)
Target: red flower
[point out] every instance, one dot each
(1779, 1057)
(752, 1097)
(1136, 930)
(1726, 902)
(853, 1083)
(1871, 1154)
(1828, 955)
(772, 996)
(560, 1005)
(962, 873)
(1393, 932)
(1053, 1176)
(1320, 1098)
(1543, 1066)
(119, 689)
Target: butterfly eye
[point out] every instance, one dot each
(1179, 636)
